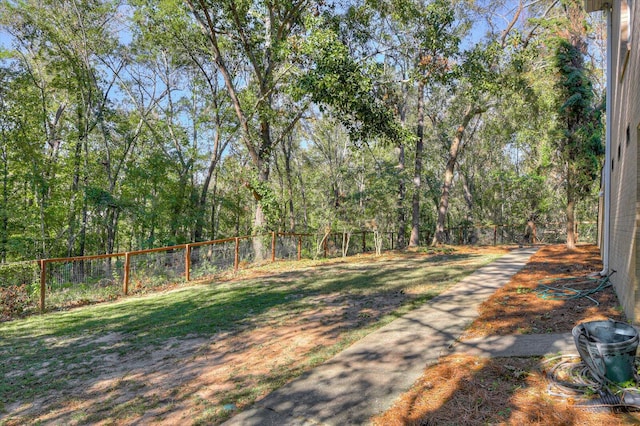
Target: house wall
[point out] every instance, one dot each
(625, 181)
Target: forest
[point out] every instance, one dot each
(128, 125)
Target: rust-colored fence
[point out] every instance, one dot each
(64, 282)
(70, 281)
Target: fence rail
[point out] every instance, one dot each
(63, 282)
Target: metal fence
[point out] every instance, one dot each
(64, 282)
(553, 233)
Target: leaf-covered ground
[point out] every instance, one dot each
(469, 390)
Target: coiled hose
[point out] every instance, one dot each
(570, 378)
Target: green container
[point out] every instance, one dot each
(608, 348)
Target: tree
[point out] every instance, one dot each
(259, 35)
(60, 51)
(580, 130)
(478, 82)
(212, 119)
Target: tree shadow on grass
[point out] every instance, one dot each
(72, 363)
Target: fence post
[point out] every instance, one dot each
(299, 247)
(273, 246)
(324, 246)
(187, 262)
(125, 283)
(495, 234)
(43, 283)
(364, 241)
(236, 259)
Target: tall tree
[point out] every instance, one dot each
(257, 33)
(477, 83)
(62, 49)
(580, 128)
(577, 134)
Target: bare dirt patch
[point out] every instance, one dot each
(468, 390)
(204, 380)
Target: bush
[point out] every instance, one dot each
(17, 274)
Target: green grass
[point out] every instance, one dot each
(60, 351)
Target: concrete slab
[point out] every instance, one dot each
(366, 378)
(517, 345)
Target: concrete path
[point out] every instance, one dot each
(517, 345)
(365, 379)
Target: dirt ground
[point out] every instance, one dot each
(203, 381)
(186, 381)
(468, 390)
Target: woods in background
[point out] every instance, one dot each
(143, 124)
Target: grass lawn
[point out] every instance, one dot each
(198, 354)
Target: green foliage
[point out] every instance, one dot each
(580, 141)
(106, 138)
(267, 199)
(17, 274)
(338, 81)
(438, 41)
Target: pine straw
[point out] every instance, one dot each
(517, 309)
(468, 390)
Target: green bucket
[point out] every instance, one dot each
(608, 348)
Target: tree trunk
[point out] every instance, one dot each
(259, 219)
(281, 182)
(202, 201)
(530, 232)
(214, 218)
(85, 207)
(571, 236)
(417, 174)
(468, 198)
(113, 214)
(75, 185)
(443, 207)
(303, 194)
(402, 187)
(4, 214)
(402, 217)
(287, 148)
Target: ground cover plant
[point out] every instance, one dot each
(198, 354)
(469, 390)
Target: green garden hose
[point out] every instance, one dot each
(564, 292)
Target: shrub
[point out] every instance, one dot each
(17, 274)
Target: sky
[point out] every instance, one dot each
(5, 40)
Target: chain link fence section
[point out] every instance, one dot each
(149, 269)
(288, 247)
(554, 233)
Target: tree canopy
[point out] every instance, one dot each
(141, 124)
